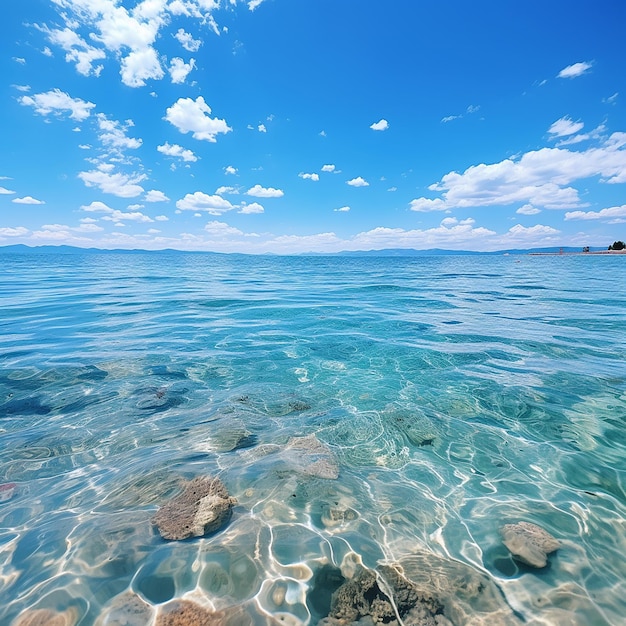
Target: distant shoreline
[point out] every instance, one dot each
(590, 253)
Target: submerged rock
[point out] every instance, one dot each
(127, 609)
(361, 600)
(312, 457)
(529, 543)
(203, 507)
(187, 613)
(47, 617)
(418, 428)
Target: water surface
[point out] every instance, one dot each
(457, 394)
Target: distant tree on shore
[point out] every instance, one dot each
(617, 245)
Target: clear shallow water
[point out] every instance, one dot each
(457, 394)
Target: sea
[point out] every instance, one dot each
(364, 412)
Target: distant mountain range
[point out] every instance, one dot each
(387, 252)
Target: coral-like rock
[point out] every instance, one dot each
(529, 543)
(361, 600)
(187, 613)
(203, 507)
(313, 457)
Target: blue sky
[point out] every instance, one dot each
(312, 125)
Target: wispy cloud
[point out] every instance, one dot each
(58, 102)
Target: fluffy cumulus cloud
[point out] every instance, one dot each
(313, 176)
(58, 102)
(253, 207)
(359, 181)
(18, 231)
(343, 209)
(77, 50)
(541, 178)
(615, 213)
(126, 34)
(5, 192)
(140, 66)
(380, 125)
(564, 127)
(112, 215)
(179, 70)
(156, 196)
(528, 209)
(229, 169)
(117, 184)
(113, 134)
(174, 150)
(575, 70)
(187, 41)
(27, 200)
(193, 116)
(265, 192)
(199, 201)
(328, 168)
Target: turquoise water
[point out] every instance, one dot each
(456, 394)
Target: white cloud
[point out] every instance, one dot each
(537, 233)
(27, 200)
(528, 209)
(57, 102)
(174, 150)
(564, 127)
(357, 182)
(380, 125)
(575, 70)
(97, 207)
(264, 192)
(343, 209)
(113, 215)
(198, 201)
(187, 41)
(605, 214)
(179, 70)
(611, 99)
(192, 116)
(20, 60)
(328, 168)
(113, 134)
(262, 128)
(425, 205)
(26, 88)
(450, 118)
(253, 207)
(18, 231)
(540, 178)
(139, 66)
(221, 229)
(229, 169)
(224, 189)
(253, 4)
(4, 191)
(156, 196)
(313, 176)
(77, 50)
(117, 184)
(162, 218)
(392, 189)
